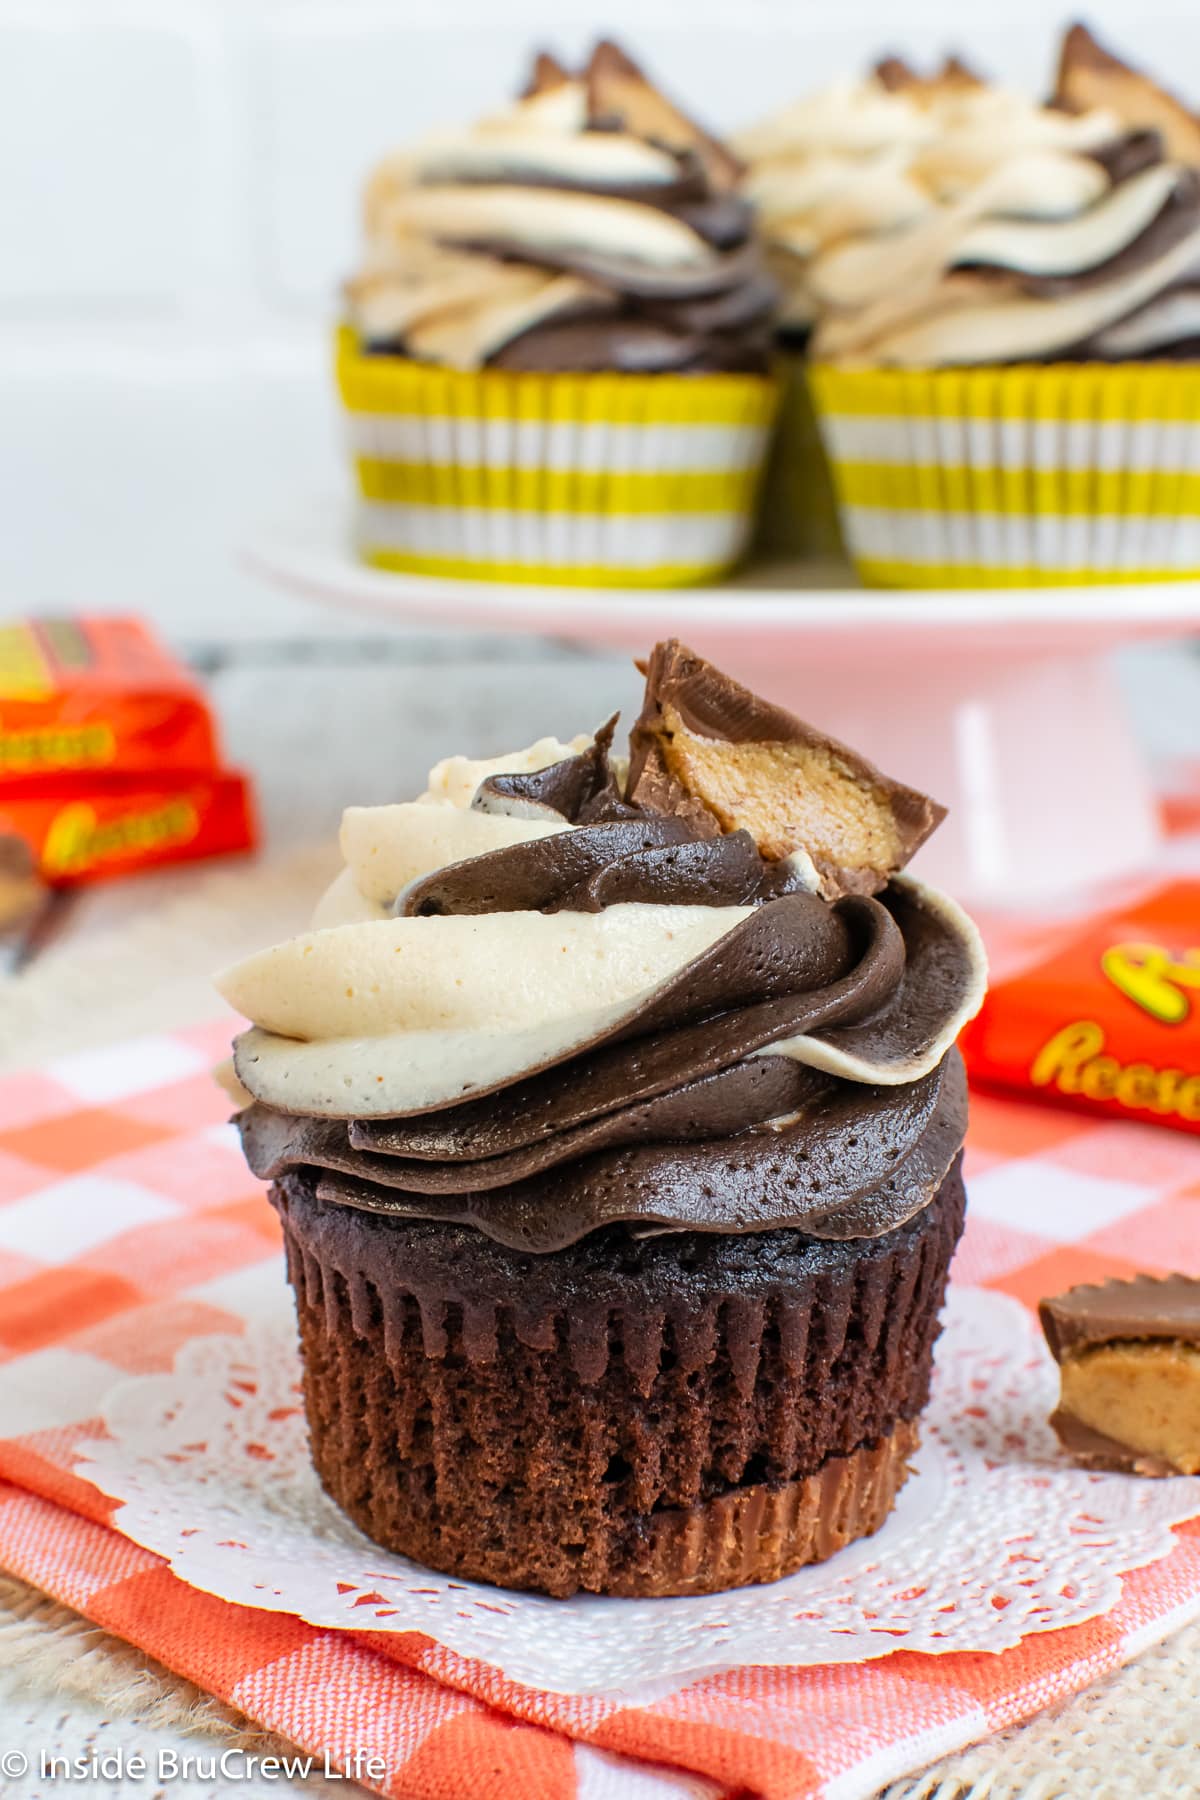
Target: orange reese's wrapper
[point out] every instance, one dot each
(114, 830)
(82, 697)
(1110, 1021)
(108, 753)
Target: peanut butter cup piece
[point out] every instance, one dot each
(899, 77)
(957, 73)
(894, 74)
(707, 749)
(1129, 1359)
(618, 90)
(546, 74)
(1091, 77)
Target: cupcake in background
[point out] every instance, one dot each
(988, 359)
(556, 356)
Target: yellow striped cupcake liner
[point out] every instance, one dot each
(580, 480)
(1049, 476)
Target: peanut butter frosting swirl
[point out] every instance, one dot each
(927, 223)
(591, 226)
(591, 1014)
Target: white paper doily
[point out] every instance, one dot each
(994, 1536)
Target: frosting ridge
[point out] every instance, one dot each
(591, 226)
(930, 222)
(614, 1017)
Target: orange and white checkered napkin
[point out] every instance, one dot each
(129, 1224)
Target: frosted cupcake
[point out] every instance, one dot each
(985, 344)
(614, 1122)
(555, 366)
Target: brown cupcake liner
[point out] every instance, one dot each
(578, 1419)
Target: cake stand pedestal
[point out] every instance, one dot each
(1001, 702)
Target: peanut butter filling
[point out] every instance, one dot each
(1144, 1396)
(788, 796)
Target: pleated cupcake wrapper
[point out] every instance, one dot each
(1048, 476)
(414, 1347)
(613, 480)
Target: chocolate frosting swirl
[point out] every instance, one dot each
(623, 1128)
(796, 1073)
(650, 861)
(857, 1162)
(620, 853)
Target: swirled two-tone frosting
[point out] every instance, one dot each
(931, 223)
(559, 1004)
(590, 226)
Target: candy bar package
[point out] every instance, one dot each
(1110, 1020)
(121, 827)
(109, 760)
(79, 697)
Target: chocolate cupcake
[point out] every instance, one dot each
(614, 1120)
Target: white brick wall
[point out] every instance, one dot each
(178, 191)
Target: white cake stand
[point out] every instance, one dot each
(1002, 703)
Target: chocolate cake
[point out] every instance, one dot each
(617, 1151)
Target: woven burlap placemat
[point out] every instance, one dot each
(1135, 1734)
